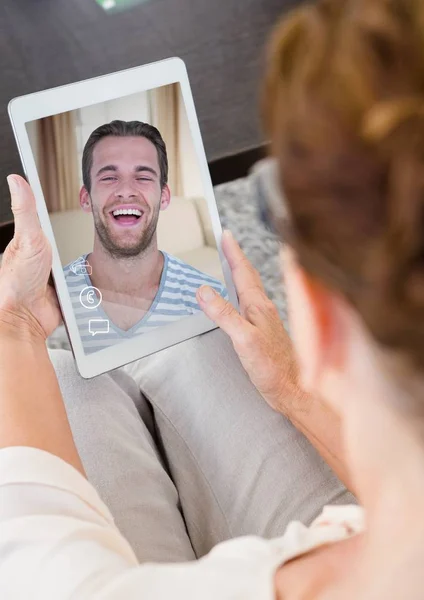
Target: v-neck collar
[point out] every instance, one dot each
(142, 321)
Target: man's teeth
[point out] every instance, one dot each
(127, 211)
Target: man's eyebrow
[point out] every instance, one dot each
(138, 169)
(106, 168)
(141, 168)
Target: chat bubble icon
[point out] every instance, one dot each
(96, 326)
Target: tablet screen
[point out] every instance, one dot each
(125, 196)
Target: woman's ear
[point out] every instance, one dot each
(314, 323)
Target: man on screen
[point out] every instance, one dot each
(126, 285)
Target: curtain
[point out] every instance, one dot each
(58, 162)
(165, 115)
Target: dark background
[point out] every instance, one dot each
(46, 43)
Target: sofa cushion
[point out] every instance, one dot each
(205, 259)
(179, 227)
(202, 208)
(73, 230)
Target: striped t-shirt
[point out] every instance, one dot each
(175, 299)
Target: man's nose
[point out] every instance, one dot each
(126, 190)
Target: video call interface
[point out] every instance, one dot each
(126, 201)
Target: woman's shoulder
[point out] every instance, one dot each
(321, 557)
(255, 561)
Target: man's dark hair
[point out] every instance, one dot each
(124, 129)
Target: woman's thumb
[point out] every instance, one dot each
(27, 225)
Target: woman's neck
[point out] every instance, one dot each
(385, 453)
(386, 457)
(384, 444)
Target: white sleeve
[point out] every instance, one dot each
(58, 542)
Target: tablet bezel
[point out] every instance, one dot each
(70, 97)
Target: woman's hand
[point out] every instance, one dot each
(267, 354)
(28, 304)
(258, 334)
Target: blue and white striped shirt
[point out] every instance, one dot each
(175, 299)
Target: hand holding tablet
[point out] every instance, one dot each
(28, 304)
(258, 334)
(123, 295)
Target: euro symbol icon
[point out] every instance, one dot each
(90, 297)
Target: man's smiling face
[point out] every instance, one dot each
(125, 196)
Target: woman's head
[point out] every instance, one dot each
(344, 106)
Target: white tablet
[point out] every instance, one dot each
(124, 196)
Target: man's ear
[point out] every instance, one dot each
(315, 323)
(165, 197)
(84, 198)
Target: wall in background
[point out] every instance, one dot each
(88, 118)
(135, 107)
(190, 171)
(46, 43)
(32, 131)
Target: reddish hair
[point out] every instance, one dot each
(344, 107)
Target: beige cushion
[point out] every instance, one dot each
(202, 209)
(179, 227)
(74, 234)
(205, 259)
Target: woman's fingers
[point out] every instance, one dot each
(258, 314)
(223, 313)
(245, 276)
(258, 335)
(25, 293)
(27, 225)
(254, 303)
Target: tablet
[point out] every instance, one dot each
(124, 196)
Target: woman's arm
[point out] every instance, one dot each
(321, 425)
(266, 352)
(32, 412)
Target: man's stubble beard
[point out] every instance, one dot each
(116, 251)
